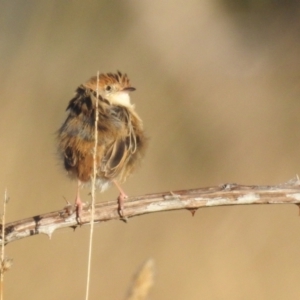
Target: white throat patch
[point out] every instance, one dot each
(121, 98)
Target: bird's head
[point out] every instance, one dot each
(114, 87)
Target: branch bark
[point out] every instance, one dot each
(226, 194)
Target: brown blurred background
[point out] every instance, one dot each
(218, 88)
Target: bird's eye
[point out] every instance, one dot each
(108, 88)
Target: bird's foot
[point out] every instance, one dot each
(78, 208)
(122, 197)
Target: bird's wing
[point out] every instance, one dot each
(122, 146)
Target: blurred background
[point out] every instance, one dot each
(218, 89)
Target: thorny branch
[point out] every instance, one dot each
(226, 194)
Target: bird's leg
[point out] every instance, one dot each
(78, 203)
(122, 197)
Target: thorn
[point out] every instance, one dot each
(68, 203)
(46, 230)
(172, 196)
(228, 186)
(192, 211)
(124, 219)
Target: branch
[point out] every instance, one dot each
(226, 194)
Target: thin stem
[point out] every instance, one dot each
(93, 189)
(191, 200)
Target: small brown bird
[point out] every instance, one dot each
(121, 140)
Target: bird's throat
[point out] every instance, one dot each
(121, 98)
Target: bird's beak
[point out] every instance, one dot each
(129, 89)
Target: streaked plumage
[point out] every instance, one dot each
(121, 140)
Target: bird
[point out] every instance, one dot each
(121, 139)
